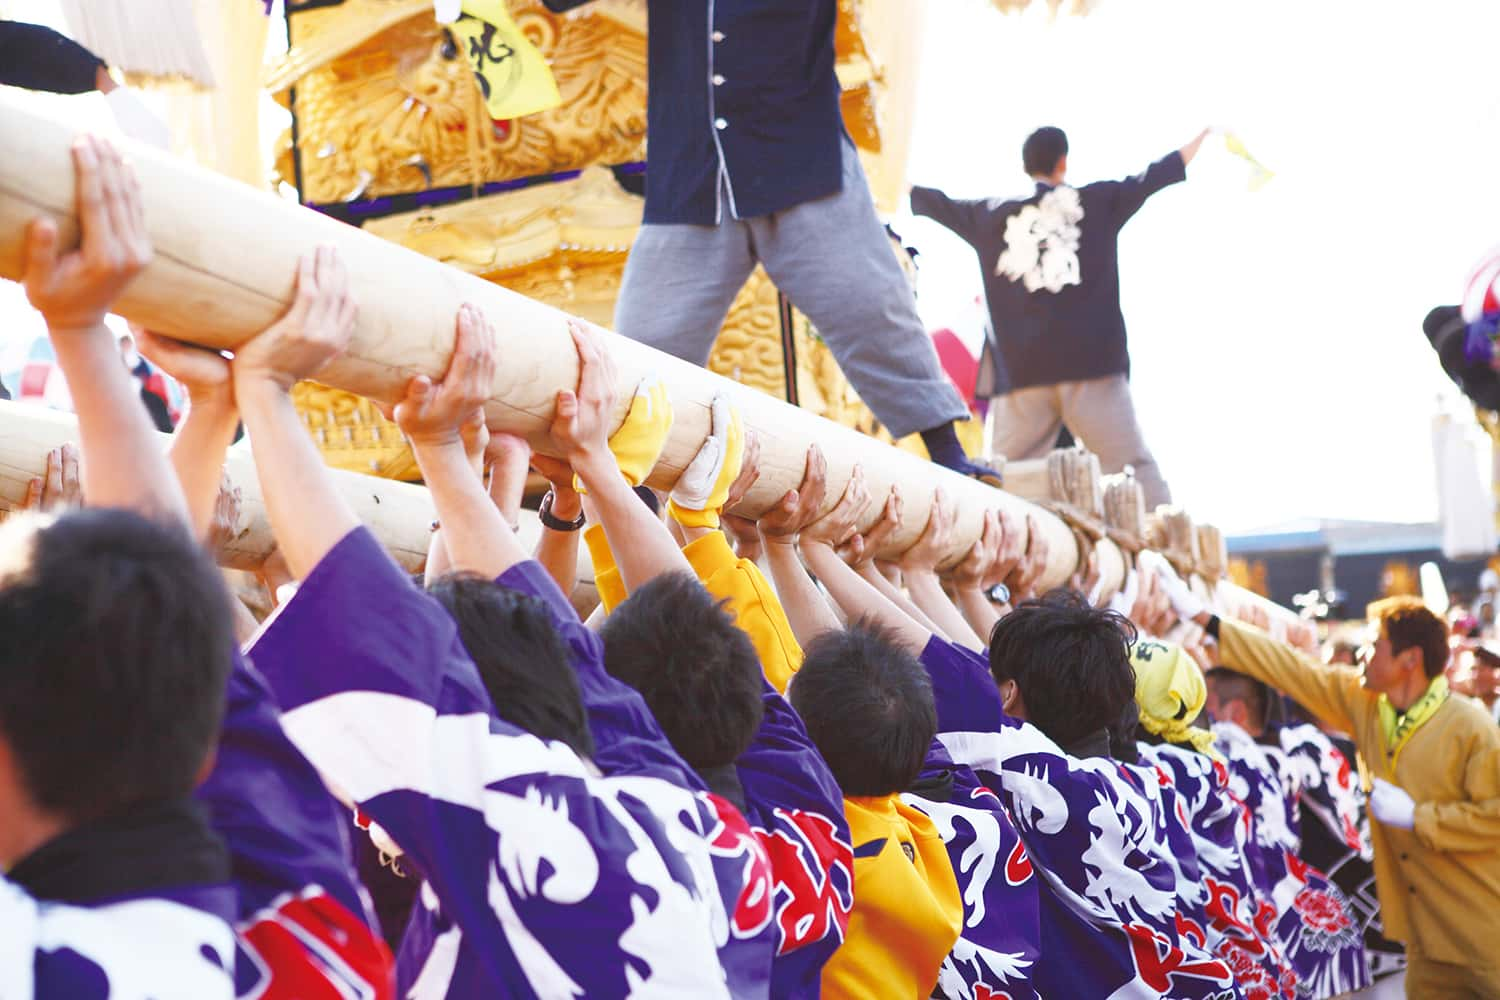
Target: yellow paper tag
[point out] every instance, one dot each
(512, 74)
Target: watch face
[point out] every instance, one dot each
(999, 593)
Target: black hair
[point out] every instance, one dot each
(521, 658)
(867, 704)
(1043, 149)
(1231, 685)
(117, 647)
(697, 670)
(1071, 662)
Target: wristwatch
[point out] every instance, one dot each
(544, 513)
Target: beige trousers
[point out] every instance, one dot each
(1025, 423)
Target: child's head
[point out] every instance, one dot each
(697, 670)
(867, 704)
(521, 659)
(115, 645)
(1064, 666)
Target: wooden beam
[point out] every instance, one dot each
(224, 266)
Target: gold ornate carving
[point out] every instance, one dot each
(382, 109)
(397, 110)
(352, 434)
(385, 106)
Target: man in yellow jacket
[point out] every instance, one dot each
(1435, 765)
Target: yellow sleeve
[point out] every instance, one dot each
(1472, 824)
(1330, 693)
(752, 602)
(606, 574)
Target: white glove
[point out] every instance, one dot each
(1392, 806)
(1185, 603)
(447, 11)
(696, 484)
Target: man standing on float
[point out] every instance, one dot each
(1052, 280)
(749, 163)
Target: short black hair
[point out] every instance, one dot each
(1231, 685)
(867, 704)
(1071, 662)
(521, 658)
(697, 670)
(117, 645)
(1042, 149)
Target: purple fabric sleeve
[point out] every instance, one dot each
(963, 688)
(627, 737)
(358, 623)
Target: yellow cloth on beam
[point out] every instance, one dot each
(511, 72)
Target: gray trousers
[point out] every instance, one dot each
(1099, 411)
(835, 263)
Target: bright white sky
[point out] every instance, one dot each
(1280, 369)
(1279, 365)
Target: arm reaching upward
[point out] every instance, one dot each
(852, 592)
(643, 547)
(307, 514)
(919, 570)
(806, 607)
(198, 446)
(123, 464)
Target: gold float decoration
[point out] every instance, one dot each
(387, 105)
(383, 109)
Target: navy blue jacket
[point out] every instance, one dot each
(1078, 333)
(746, 87)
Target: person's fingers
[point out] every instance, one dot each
(41, 252)
(53, 491)
(68, 461)
(33, 499)
(93, 220)
(116, 210)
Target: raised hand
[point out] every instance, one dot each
(864, 547)
(75, 290)
(61, 488)
(703, 488)
(840, 524)
(204, 373)
(315, 330)
(1009, 549)
(224, 527)
(931, 547)
(436, 415)
(797, 508)
(974, 568)
(1033, 564)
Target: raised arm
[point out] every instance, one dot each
(609, 467)
(971, 579)
(307, 514)
(123, 462)
(477, 536)
(966, 217)
(806, 607)
(204, 435)
(557, 549)
(854, 594)
(919, 571)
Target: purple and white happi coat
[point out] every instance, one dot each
(542, 879)
(1313, 921)
(1100, 844)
